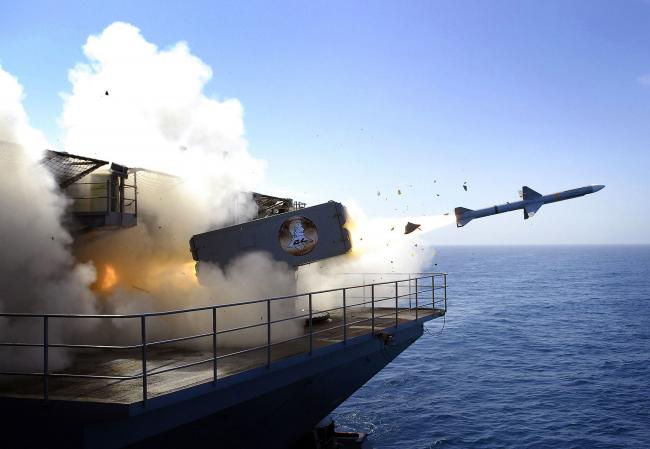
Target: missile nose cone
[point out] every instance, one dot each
(598, 187)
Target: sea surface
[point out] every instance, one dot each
(542, 347)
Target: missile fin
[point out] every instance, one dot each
(529, 194)
(531, 209)
(459, 212)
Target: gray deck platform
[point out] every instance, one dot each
(129, 362)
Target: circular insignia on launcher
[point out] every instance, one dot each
(298, 236)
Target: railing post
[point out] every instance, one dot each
(444, 276)
(135, 191)
(345, 319)
(410, 294)
(108, 196)
(396, 308)
(372, 295)
(416, 299)
(433, 292)
(46, 392)
(214, 345)
(121, 192)
(143, 331)
(268, 333)
(311, 334)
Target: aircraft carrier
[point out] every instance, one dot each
(194, 390)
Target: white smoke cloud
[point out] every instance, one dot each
(37, 272)
(141, 106)
(381, 252)
(137, 105)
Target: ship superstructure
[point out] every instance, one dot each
(268, 388)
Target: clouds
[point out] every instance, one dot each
(645, 79)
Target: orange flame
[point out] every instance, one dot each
(108, 278)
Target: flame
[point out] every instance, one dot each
(378, 234)
(108, 278)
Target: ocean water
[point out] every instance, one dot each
(541, 347)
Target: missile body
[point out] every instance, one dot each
(530, 203)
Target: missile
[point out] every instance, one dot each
(530, 202)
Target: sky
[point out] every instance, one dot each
(345, 99)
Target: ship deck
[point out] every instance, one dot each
(159, 358)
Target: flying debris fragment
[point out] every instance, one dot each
(410, 227)
(106, 93)
(465, 186)
(399, 192)
(530, 203)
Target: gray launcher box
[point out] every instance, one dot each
(297, 238)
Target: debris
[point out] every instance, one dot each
(106, 93)
(437, 194)
(399, 192)
(378, 193)
(52, 237)
(410, 227)
(465, 186)
(446, 213)
(393, 228)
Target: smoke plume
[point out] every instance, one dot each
(135, 104)
(381, 252)
(37, 271)
(141, 106)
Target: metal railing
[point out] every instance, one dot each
(105, 197)
(420, 297)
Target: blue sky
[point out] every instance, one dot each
(344, 99)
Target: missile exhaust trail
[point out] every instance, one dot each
(530, 203)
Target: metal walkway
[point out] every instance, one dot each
(137, 372)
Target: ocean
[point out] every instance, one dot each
(542, 346)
